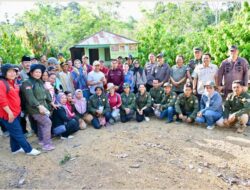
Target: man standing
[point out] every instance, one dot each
(178, 75)
(96, 78)
(85, 64)
(187, 105)
(119, 61)
(202, 74)
(148, 70)
(231, 69)
(116, 76)
(194, 62)
(26, 62)
(129, 61)
(237, 107)
(66, 78)
(161, 71)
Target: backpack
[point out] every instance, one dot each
(6, 84)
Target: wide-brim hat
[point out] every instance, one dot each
(37, 66)
(6, 67)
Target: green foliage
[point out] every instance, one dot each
(171, 28)
(11, 47)
(178, 29)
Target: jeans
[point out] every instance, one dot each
(126, 117)
(17, 138)
(169, 113)
(71, 127)
(209, 117)
(95, 122)
(148, 111)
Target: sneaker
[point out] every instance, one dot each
(18, 151)
(48, 147)
(241, 129)
(40, 143)
(6, 134)
(34, 152)
(68, 137)
(147, 119)
(211, 127)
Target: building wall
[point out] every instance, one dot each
(101, 55)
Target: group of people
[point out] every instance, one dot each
(58, 97)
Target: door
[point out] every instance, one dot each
(93, 55)
(76, 53)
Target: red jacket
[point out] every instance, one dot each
(11, 99)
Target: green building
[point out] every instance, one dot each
(104, 45)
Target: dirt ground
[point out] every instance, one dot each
(149, 155)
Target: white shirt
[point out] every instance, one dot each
(203, 75)
(94, 76)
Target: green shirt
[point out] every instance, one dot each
(128, 101)
(156, 95)
(143, 100)
(95, 102)
(168, 100)
(34, 94)
(184, 105)
(237, 104)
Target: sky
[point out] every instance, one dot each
(18, 7)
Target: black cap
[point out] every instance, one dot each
(37, 66)
(188, 85)
(6, 67)
(129, 57)
(197, 49)
(160, 55)
(50, 68)
(233, 47)
(26, 58)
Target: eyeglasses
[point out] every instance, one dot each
(208, 87)
(232, 50)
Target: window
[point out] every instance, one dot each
(107, 54)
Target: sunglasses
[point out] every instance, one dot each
(208, 87)
(232, 50)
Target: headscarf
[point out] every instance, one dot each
(80, 104)
(58, 100)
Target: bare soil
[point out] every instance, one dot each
(148, 155)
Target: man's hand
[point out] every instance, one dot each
(189, 120)
(11, 117)
(127, 110)
(194, 91)
(99, 112)
(199, 114)
(181, 116)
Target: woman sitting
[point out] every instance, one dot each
(63, 121)
(80, 107)
(99, 108)
(114, 102)
(143, 103)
